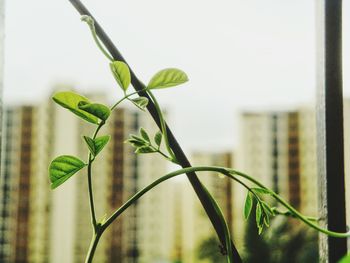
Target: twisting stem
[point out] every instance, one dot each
(163, 127)
(227, 172)
(91, 196)
(226, 229)
(91, 25)
(126, 97)
(292, 209)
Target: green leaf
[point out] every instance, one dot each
(267, 220)
(144, 135)
(158, 138)
(135, 143)
(135, 137)
(167, 78)
(145, 149)
(140, 102)
(261, 191)
(268, 210)
(62, 168)
(70, 100)
(99, 110)
(100, 143)
(258, 216)
(121, 74)
(96, 145)
(91, 144)
(345, 259)
(248, 205)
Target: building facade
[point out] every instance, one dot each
(37, 223)
(193, 228)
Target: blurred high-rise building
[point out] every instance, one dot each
(279, 150)
(41, 225)
(193, 228)
(24, 193)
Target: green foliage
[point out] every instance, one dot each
(121, 74)
(99, 110)
(62, 168)
(145, 149)
(259, 218)
(70, 101)
(140, 102)
(263, 210)
(143, 143)
(209, 250)
(345, 259)
(259, 190)
(167, 78)
(248, 205)
(256, 247)
(96, 145)
(289, 242)
(158, 138)
(144, 135)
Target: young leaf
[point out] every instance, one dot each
(261, 191)
(70, 100)
(144, 135)
(267, 209)
(135, 143)
(96, 145)
(140, 102)
(267, 220)
(258, 215)
(145, 149)
(99, 110)
(121, 74)
(248, 205)
(62, 168)
(91, 144)
(167, 78)
(158, 138)
(100, 143)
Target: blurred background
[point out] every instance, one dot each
(249, 104)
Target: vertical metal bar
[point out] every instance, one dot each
(330, 141)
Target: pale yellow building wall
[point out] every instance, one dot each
(196, 227)
(308, 161)
(40, 193)
(155, 208)
(64, 198)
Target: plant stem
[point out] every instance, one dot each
(91, 196)
(93, 245)
(89, 176)
(91, 25)
(126, 97)
(226, 229)
(227, 172)
(163, 127)
(292, 209)
(178, 152)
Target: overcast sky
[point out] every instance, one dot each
(239, 55)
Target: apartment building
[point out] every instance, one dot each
(37, 223)
(279, 149)
(192, 224)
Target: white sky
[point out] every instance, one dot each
(238, 54)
